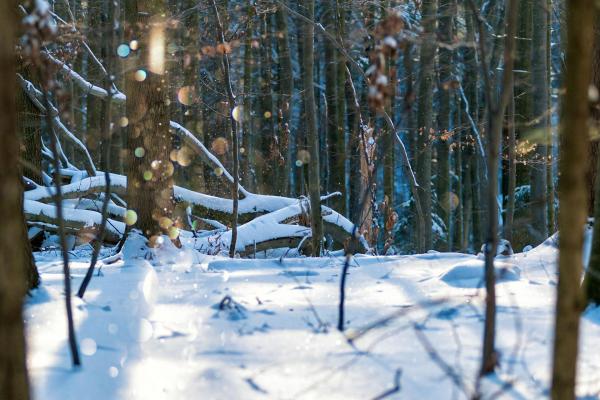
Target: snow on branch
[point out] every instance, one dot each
(36, 98)
(86, 86)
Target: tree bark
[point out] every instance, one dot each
(150, 170)
(447, 13)
(286, 90)
(314, 185)
(572, 196)
(335, 132)
(13, 263)
(425, 117)
(539, 88)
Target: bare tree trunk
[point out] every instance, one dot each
(314, 185)
(335, 133)
(447, 13)
(572, 196)
(539, 88)
(425, 117)
(13, 370)
(512, 171)
(247, 158)
(94, 117)
(150, 170)
(459, 188)
(286, 89)
(470, 175)
(409, 116)
(233, 133)
(340, 9)
(551, 189)
(592, 278)
(105, 145)
(268, 172)
(495, 114)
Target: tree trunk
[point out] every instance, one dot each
(247, 157)
(335, 177)
(572, 196)
(286, 89)
(233, 134)
(314, 185)
(495, 117)
(512, 171)
(13, 263)
(592, 278)
(425, 117)
(150, 170)
(447, 12)
(539, 88)
(268, 173)
(472, 233)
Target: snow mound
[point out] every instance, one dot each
(143, 287)
(470, 274)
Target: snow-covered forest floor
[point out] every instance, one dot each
(186, 326)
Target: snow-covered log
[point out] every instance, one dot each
(113, 210)
(255, 208)
(283, 228)
(76, 221)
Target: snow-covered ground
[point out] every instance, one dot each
(187, 326)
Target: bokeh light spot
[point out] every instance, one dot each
(186, 95)
(219, 146)
(123, 50)
(140, 75)
(184, 156)
(130, 217)
(88, 346)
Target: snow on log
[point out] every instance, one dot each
(273, 230)
(206, 206)
(113, 210)
(82, 188)
(78, 221)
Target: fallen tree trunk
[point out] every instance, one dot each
(274, 231)
(82, 222)
(256, 209)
